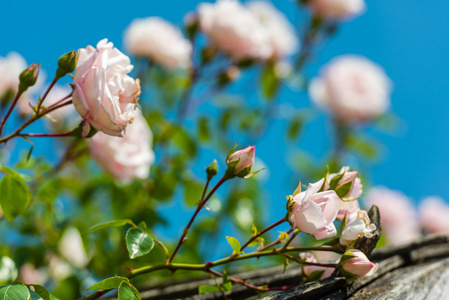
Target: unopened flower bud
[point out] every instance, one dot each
(212, 170)
(240, 162)
(361, 226)
(28, 77)
(231, 74)
(66, 64)
(354, 263)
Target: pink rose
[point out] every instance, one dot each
(351, 187)
(353, 88)
(397, 214)
(310, 258)
(434, 215)
(337, 9)
(359, 265)
(361, 226)
(28, 274)
(281, 33)
(244, 159)
(158, 40)
(128, 157)
(105, 96)
(235, 30)
(10, 68)
(314, 212)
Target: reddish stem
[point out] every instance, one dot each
(68, 133)
(279, 222)
(9, 112)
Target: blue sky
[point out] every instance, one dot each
(409, 39)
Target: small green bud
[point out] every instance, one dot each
(212, 169)
(28, 77)
(66, 64)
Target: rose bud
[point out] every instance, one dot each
(314, 212)
(308, 270)
(66, 64)
(352, 88)
(358, 227)
(104, 96)
(240, 162)
(348, 188)
(28, 77)
(354, 263)
(212, 169)
(337, 9)
(158, 40)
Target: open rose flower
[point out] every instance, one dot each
(337, 9)
(158, 40)
(355, 263)
(104, 95)
(353, 88)
(281, 34)
(234, 29)
(308, 270)
(314, 212)
(128, 157)
(398, 216)
(348, 187)
(361, 226)
(434, 215)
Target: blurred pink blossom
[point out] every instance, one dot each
(104, 95)
(128, 157)
(434, 215)
(314, 212)
(234, 29)
(353, 88)
(10, 68)
(397, 215)
(281, 33)
(337, 9)
(158, 40)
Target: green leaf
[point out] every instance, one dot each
(294, 129)
(270, 82)
(15, 197)
(316, 275)
(16, 291)
(41, 291)
(14, 173)
(78, 131)
(334, 182)
(184, 141)
(108, 224)
(205, 289)
(192, 192)
(126, 292)
(235, 244)
(253, 230)
(108, 283)
(138, 242)
(227, 284)
(203, 129)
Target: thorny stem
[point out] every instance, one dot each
(32, 120)
(208, 266)
(198, 209)
(262, 232)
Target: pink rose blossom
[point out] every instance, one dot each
(314, 212)
(10, 68)
(128, 157)
(434, 215)
(353, 88)
(281, 33)
(397, 215)
(361, 226)
(310, 258)
(234, 29)
(359, 265)
(105, 96)
(337, 9)
(28, 274)
(158, 40)
(71, 248)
